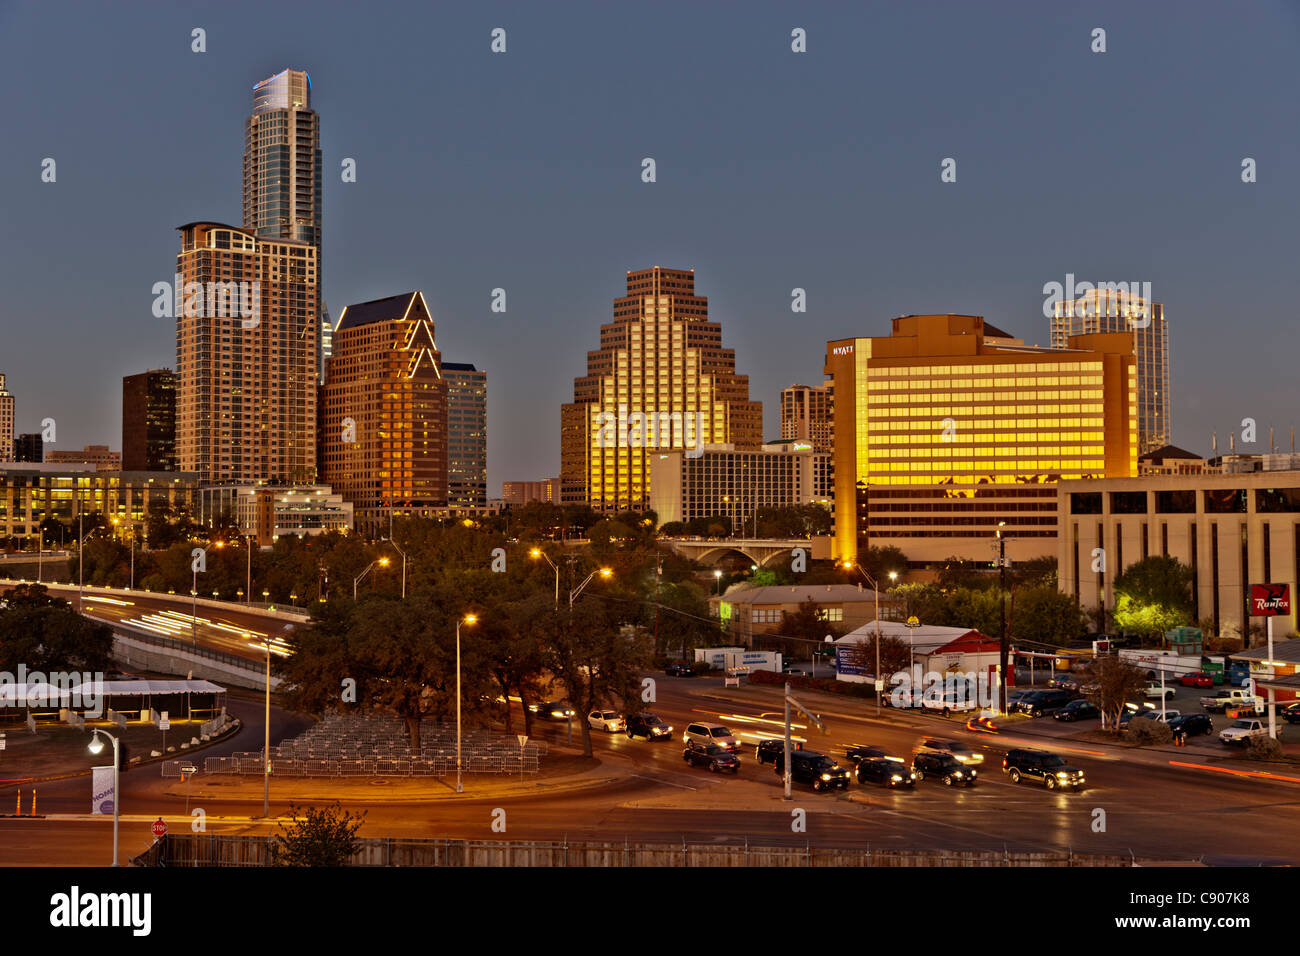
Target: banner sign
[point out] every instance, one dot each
(1270, 600)
(101, 790)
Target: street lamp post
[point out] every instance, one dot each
(249, 589)
(539, 553)
(382, 562)
(403, 554)
(875, 591)
(471, 620)
(97, 745)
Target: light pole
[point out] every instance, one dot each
(249, 589)
(97, 745)
(1002, 605)
(717, 576)
(875, 591)
(573, 595)
(194, 606)
(539, 553)
(266, 742)
(471, 620)
(382, 562)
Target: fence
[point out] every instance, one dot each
(210, 849)
(173, 768)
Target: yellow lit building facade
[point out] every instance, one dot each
(660, 380)
(949, 429)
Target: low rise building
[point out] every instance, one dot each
(757, 612)
(31, 492)
(271, 512)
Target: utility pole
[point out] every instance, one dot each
(659, 570)
(1002, 604)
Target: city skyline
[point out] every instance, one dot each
(970, 246)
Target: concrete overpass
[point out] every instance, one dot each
(764, 552)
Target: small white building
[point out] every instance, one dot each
(941, 650)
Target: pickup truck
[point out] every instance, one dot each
(1230, 697)
(1243, 730)
(1155, 691)
(949, 703)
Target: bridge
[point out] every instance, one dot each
(762, 552)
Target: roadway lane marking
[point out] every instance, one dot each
(1239, 773)
(670, 783)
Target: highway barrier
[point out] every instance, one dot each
(211, 849)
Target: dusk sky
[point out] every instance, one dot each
(775, 170)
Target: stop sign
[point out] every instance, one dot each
(159, 828)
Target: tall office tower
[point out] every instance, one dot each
(246, 347)
(466, 435)
(29, 448)
(1116, 310)
(660, 379)
(806, 415)
(6, 422)
(384, 413)
(949, 431)
(282, 174)
(149, 421)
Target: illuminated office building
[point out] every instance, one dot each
(6, 422)
(660, 380)
(1115, 310)
(948, 429)
(384, 413)
(806, 415)
(466, 436)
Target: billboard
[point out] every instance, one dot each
(1270, 600)
(102, 793)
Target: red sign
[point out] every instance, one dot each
(1270, 600)
(159, 828)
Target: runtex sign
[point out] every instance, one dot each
(1270, 600)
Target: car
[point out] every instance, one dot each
(1154, 691)
(1042, 765)
(963, 752)
(889, 772)
(1077, 710)
(679, 669)
(1290, 713)
(859, 753)
(710, 734)
(552, 710)
(716, 758)
(943, 767)
(1191, 725)
(610, 721)
(808, 766)
(649, 726)
(769, 749)
(1242, 730)
(1200, 679)
(1040, 702)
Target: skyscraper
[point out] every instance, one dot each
(149, 421)
(949, 430)
(29, 447)
(466, 435)
(660, 379)
(1117, 310)
(246, 351)
(282, 173)
(6, 422)
(806, 415)
(384, 412)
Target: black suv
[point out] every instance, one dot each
(868, 752)
(1041, 765)
(772, 749)
(1189, 725)
(808, 766)
(943, 767)
(885, 772)
(1040, 702)
(1077, 710)
(648, 726)
(679, 669)
(716, 758)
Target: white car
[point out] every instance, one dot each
(1242, 730)
(1154, 691)
(711, 734)
(609, 721)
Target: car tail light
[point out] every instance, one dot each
(1004, 763)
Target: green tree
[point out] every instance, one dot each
(1153, 595)
(46, 634)
(1045, 615)
(1115, 682)
(318, 837)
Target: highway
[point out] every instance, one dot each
(1149, 809)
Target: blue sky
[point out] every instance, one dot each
(775, 170)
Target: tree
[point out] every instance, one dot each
(1116, 681)
(318, 837)
(46, 634)
(879, 561)
(1153, 595)
(1045, 615)
(895, 655)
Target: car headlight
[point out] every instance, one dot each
(826, 776)
(897, 778)
(973, 774)
(957, 774)
(1062, 775)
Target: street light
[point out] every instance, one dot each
(573, 595)
(382, 562)
(539, 553)
(96, 746)
(471, 620)
(717, 576)
(875, 591)
(403, 554)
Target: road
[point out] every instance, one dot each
(1145, 808)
